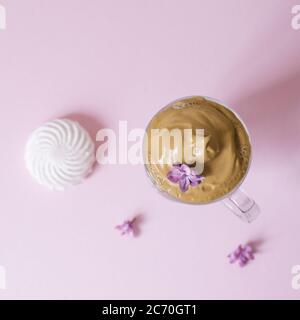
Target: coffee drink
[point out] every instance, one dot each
(226, 146)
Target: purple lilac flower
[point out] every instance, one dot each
(184, 176)
(243, 254)
(127, 227)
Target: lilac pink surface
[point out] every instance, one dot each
(99, 62)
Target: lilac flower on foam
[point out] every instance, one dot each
(185, 176)
(243, 254)
(127, 227)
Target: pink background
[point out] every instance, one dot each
(104, 61)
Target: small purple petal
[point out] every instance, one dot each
(185, 176)
(250, 256)
(185, 169)
(243, 254)
(174, 175)
(127, 227)
(195, 180)
(248, 248)
(242, 263)
(184, 183)
(232, 258)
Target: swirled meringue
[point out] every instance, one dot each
(60, 153)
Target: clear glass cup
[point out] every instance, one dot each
(236, 200)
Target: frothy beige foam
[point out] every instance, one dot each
(227, 148)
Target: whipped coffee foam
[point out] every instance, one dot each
(227, 149)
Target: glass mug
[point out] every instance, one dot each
(236, 200)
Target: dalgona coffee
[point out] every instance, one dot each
(227, 150)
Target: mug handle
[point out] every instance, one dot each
(242, 206)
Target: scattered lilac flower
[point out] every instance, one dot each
(243, 254)
(127, 227)
(185, 176)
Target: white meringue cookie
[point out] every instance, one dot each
(59, 154)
